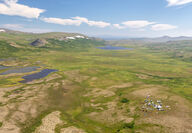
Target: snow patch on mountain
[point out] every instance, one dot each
(1, 30)
(71, 38)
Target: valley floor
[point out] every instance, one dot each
(97, 91)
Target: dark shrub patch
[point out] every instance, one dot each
(129, 125)
(124, 100)
(1, 124)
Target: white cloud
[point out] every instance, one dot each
(178, 2)
(12, 26)
(100, 24)
(140, 25)
(12, 8)
(19, 27)
(82, 19)
(133, 24)
(62, 21)
(76, 21)
(137, 24)
(118, 26)
(160, 27)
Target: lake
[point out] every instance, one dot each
(3, 67)
(114, 48)
(20, 70)
(38, 75)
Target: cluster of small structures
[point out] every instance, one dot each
(150, 105)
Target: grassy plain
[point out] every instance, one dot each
(96, 91)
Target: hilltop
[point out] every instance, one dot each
(52, 39)
(6, 33)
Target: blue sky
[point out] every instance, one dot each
(102, 18)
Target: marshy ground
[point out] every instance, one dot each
(96, 91)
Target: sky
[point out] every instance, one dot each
(99, 18)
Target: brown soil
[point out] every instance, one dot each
(72, 130)
(15, 45)
(142, 76)
(52, 77)
(176, 120)
(20, 104)
(124, 85)
(145, 90)
(96, 92)
(112, 115)
(49, 123)
(75, 76)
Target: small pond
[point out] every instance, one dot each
(114, 48)
(7, 59)
(20, 70)
(38, 75)
(3, 67)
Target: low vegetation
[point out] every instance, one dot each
(94, 90)
(124, 100)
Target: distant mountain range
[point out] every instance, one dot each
(64, 35)
(3, 30)
(48, 34)
(162, 39)
(7, 34)
(17, 38)
(157, 39)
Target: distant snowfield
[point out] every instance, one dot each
(75, 37)
(1, 30)
(79, 36)
(72, 38)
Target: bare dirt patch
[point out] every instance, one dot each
(143, 76)
(72, 130)
(19, 116)
(97, 92)
(52, 77)
(124, 85)
(76, 76)
(9, 127)
(176, 120)
(154, 90)
(108, 92)
(35, 81)
(15, 45)
(21, 104)
(49, 123)
(97, 106)
(112, 115)
(94, 78)
(3, 91)
(172, 123)
(4, 112)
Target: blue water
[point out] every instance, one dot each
(6, 59)
(114, 48)
(39, 75)
(3, 67)
(20, 70)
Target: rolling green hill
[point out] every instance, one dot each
(145, 89)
